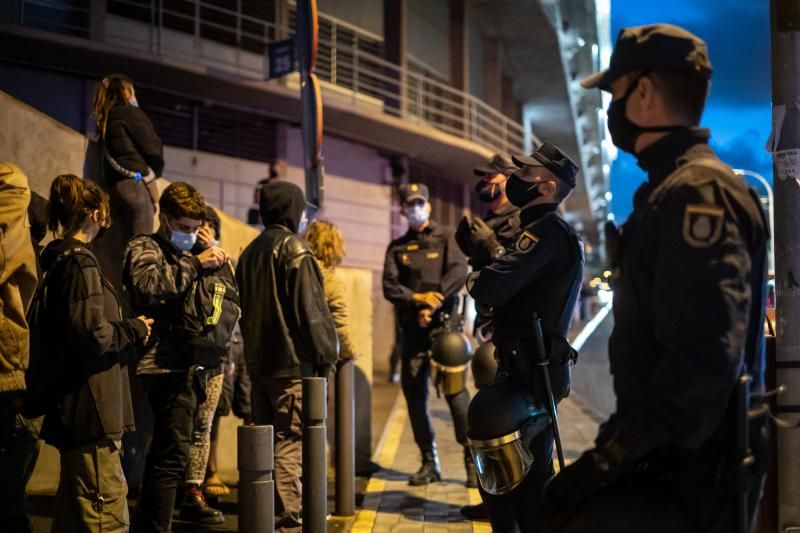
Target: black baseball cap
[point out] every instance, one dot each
(553, 159)
(498, 164)
(657, 46)
(413, 191)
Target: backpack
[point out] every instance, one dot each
(45, 374)
(207, 317)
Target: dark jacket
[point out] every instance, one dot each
(131, 140)
(157, 278)
(505, 223)
(287, 328)
(422, 262)
(90, 345)
(540, 274)
(689, 287)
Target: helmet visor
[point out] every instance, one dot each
(501, 463)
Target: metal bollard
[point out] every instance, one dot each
(345, 441)
(315, 467)
(256, 486)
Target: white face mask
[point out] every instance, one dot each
(133, 101)
(417, 215)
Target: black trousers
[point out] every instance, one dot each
(19, 449)
(518, 510)
(173, 399)
(415, 378)
(695, 499)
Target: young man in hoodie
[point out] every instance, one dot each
(288, 332)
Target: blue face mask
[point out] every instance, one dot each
(417, 215)
(181, 240)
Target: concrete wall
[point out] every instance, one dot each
(429, 33)
(44, 148)
(366, 14)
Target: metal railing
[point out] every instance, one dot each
(349, 60)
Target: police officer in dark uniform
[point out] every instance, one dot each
(689, 287)
(482, 238)
(422, 274)
(540, 274)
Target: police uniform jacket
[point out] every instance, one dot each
(540, 274)
(688, 300)
(504, 223)
(423, 262)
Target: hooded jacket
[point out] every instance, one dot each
(287, 328)
(17, 277)
(89, 347)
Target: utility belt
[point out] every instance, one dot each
(517, 361)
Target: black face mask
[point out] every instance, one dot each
(623, 131)
(520, 192)
(487, 192)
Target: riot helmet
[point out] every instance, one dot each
(451, 352)
(503, 420)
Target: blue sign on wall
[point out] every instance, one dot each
(280, 58)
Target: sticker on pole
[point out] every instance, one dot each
(787, 164)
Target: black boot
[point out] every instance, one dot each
(469, 466)
(195, 509)
(429, 471)
(475, 512)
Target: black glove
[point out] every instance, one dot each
(464, 237)
(485, 247)
(566, 492)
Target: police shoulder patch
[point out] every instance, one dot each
(526, 242)
(702, 224)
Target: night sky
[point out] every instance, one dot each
(738, 110)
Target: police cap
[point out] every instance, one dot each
(413, 191)
(496, 165)
(553, 159)
(657, 46)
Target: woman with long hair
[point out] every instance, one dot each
(86, 350)
(133, 156)
(327, 243)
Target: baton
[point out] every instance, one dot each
(542, 362)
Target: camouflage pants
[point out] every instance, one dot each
(91, 491)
